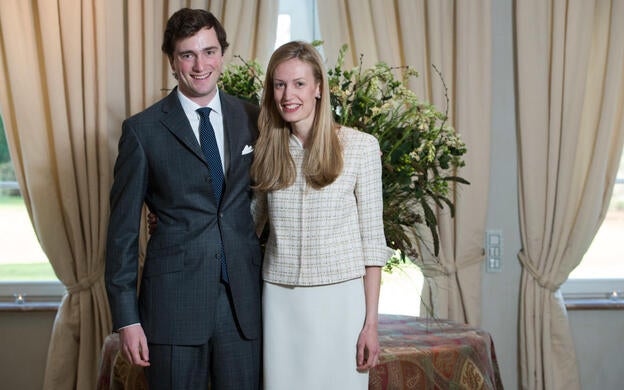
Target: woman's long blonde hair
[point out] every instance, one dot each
(273, 167)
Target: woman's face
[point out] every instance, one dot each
(295, 91)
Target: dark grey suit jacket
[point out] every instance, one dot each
(161, 163)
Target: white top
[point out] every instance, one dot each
(328, 235)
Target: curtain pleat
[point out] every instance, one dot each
(53, 100)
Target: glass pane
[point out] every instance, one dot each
(283, 30)
(21, 256)
(297, 20)
(605, 257)
(400, 290)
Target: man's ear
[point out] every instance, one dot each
(173, 72)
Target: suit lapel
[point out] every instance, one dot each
(177, 123)
(175, 120)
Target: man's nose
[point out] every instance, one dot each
(199, 64)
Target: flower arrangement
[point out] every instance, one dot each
(420, 151)
(243, 80)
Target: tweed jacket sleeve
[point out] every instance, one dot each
(369, 200)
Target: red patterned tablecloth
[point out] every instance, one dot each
(416, 353)
(421, 353)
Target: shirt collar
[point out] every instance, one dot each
(190, 106)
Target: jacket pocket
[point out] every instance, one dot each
(164, 260)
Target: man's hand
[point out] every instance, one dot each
(134, 345)
(367, 348)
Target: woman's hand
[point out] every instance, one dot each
(152, 223)
(368, 342)
(367, 348)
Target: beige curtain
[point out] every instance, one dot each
(54, 107)
(570, 98)
(455, 37)
(70, 72)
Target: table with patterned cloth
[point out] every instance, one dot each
(425, 353)
(416, 353)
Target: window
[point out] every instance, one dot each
(24, 269)
(297, 20)
(400, 291)
(601, 272)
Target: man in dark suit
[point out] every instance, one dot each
(197, 317)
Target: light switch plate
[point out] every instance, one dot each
(493, 251)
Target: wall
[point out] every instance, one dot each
(599, 341)
(500, 290)
(24, 339)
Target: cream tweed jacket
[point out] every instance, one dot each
(329, 235)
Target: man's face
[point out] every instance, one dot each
(197, 62)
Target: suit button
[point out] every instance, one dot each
(217, 256)
(220, 215)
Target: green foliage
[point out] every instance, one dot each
(8, 202)
(7, 173)
(4, 147)
(243, 80)
(27, 271)
(6, 168)
(420, 151)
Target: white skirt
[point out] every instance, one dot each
(310, 336)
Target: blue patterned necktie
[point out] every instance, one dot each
(209, 146)
(211, 151)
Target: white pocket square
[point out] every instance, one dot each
(247, 149)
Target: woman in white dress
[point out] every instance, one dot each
(318, 186)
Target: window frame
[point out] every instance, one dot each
(593, 288)
(31, 291)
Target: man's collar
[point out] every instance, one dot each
(190, 106)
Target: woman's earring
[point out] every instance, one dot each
(318, 97)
